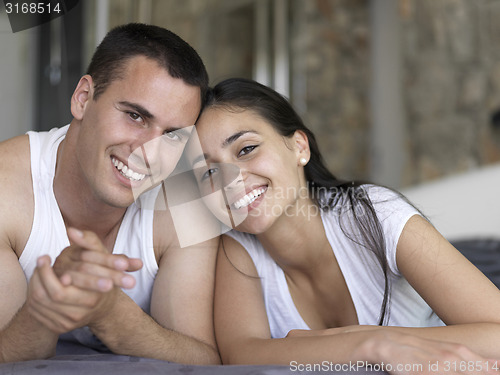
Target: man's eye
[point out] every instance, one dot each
(173, 136)
(134, 116)
(246, 150)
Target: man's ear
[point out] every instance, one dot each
(82, 94)
(301, 146)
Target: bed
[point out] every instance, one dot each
(72, 359)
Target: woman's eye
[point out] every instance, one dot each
(208, 173)
(246, 150)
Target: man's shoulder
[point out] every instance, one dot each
(16, 195)
(186, 225)
(163, 228)
(15, 169)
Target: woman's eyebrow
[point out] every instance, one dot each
(235, 136)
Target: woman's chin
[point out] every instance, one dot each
(252, 226)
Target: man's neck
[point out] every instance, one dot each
(79, 206)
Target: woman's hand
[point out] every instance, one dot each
(402, 353)
(408, 354)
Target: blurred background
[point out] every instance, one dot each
(399, 92)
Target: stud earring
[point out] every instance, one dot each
(303, 161)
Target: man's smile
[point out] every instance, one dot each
(126, 171)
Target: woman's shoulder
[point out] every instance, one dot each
(387, 202)
(381, 194)
(251, 244)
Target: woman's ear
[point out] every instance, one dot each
(303, 152)
(82, 94)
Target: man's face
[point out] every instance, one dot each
(133, 135)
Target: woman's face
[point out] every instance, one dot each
(257, 169)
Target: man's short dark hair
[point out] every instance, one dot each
(161, 45)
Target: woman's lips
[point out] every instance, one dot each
(250, 197)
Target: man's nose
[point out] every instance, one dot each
(148, 141)
(151, 142)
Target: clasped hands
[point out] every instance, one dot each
(82, 285)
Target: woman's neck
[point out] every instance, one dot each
(297, 241)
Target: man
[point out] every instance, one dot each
(73, 189)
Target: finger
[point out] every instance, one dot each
(59, 319)
(90, 282)
(135, 264)
(55, 292)
(72, 297)
(117, 262)
(65, 279)
(68, 259)
(86, 239)
(462, 359)
(36, 290)
(89, 241)
(48, 279)
(41, 318)
(43, 260)
(99, 279)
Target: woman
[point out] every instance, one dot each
(325, 270)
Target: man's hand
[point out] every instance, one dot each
(87, 264)
(81, 287)
(62, 308)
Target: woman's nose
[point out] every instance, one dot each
(233, 177)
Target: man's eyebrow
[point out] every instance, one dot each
(138, 108)
(235, 136)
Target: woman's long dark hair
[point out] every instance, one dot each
(326, 190)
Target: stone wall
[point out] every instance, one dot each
(452, 84)
(330, 54)
(450, 64)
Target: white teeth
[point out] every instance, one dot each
(126, 171)
(249, 198)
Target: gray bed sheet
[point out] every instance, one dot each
(73, 359)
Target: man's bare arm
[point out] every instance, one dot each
(21, 336)
(142, 336)
(181, 326)
(181, 329)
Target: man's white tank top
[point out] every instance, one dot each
(48, 233)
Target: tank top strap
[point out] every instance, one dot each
(48, 232)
